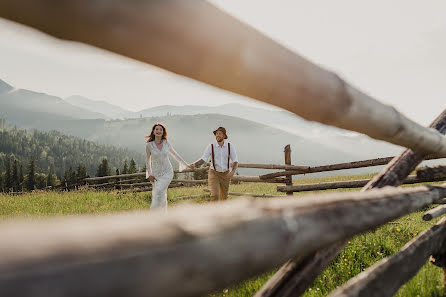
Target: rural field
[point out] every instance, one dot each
(361, 251)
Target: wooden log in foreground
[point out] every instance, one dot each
(399, 168)
(432, 172)
(304, 272)
(143, 254)
(255, 195)
(388, 275)
(413, 179)
(176, 35)
(434, 213)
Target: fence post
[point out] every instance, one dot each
(289, 178)
(118, 181)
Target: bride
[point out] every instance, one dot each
(159, 170)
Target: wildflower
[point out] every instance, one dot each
(225, 291)
(345, 260)
(398, 229)
(349, 272)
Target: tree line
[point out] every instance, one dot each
(38, 160)
(20, 178)
(56, 152)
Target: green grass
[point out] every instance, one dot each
(361, 252)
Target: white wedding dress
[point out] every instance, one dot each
(158, 165)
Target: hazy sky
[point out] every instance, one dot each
(393, 50)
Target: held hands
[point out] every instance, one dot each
(191, 166)
(152, 178)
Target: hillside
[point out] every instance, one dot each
(58, 152)
(18, 105)
(109, 110)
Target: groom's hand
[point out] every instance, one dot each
(230, 174)
(152, 178)
(192, 166)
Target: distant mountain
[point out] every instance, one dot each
(20, 103)
(349, 142)
(109, 110)
(316, 143)
(4, 87)
(190, 134)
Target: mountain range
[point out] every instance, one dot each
(259, 134)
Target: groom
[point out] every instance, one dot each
(220, 152)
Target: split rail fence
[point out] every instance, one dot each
(197, 249)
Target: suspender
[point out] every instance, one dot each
(229, 152)
(213, 156)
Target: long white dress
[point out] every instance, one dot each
(158, 165)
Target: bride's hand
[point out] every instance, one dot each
(191, 166)
(152, 178)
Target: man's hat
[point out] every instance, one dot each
(222, 129)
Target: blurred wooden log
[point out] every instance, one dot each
(413, 179)
(388, 275)
(294, 282)
(432, 172)
(397, 170)
(251, 194)
(434, 213)
(144, 254)
(200, 41)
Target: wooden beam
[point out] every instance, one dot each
(348, 184)
(334, 167)
(300, 168)
(434, 213)
(397, 170)
(305, 271)
(143, 254)
(255, 195)
(200, 41)
(388, 275)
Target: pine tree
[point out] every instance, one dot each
(21, 176)
(103, 169)
(126, 169)
(31, 177)
(132, 168)
(15, 176)
(8, 175)
(1, 181)
(81, 172)
(51, 179)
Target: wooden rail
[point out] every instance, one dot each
(174, 39)
(388, 275)
(349, 184)
(334, 167)
(144, 254)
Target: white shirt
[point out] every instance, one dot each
(220, 156)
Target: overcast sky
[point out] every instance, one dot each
(393, 50)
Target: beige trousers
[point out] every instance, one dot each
(218, 184)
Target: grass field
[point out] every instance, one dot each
(361, 251)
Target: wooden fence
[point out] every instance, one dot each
(195, 250)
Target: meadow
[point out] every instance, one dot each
(361, 251)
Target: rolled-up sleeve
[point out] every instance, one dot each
(206, 154)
